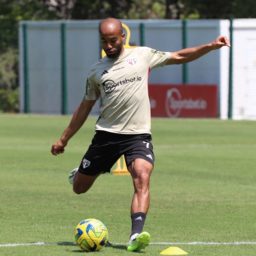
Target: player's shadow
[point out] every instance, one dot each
(119, 247)
(122, 247)
(66, 243)
(114, 246)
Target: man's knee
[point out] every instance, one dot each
(142, 181)
(82, 183)
(79, 189)
(143, 173)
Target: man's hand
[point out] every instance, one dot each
(220, 42)
(58, 147)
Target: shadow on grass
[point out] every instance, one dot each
(66, 243)
(120, 247)
(116, 246)
(110, 245)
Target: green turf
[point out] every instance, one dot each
(203, 188)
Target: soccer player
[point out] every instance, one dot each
(120, 81)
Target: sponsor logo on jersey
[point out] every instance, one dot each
(110, 85)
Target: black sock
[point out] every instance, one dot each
(138, 220)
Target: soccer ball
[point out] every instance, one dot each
(91, 235)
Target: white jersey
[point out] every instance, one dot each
(122, 86)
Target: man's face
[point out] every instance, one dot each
(112, 43)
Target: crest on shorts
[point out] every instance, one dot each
(86, 163)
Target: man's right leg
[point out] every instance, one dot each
(83, 182)
(140, 170)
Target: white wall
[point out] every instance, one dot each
(244, 69)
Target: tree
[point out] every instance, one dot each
(98, 9)
(244, 9)
(147, 9)
(219, 9)
(208, 9)
(173, 9)
(13, 11)
(62, 8)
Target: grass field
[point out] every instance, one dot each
(203, 189)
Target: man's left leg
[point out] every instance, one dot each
(140, 170)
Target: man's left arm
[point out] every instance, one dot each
(193, 53)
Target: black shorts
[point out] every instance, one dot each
(106, 148)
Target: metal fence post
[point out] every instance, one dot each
(25, 69)
(142, 34)
(230, 76)
(184, 45)
(63, 70)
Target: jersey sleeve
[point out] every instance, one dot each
(156, 58)
(91, 90)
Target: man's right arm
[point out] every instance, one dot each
(78, 119)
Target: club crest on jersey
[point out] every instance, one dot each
(131, 61)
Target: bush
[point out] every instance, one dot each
(9, 69)
(9, 100)
(9, 97)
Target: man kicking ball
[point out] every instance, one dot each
(120, 81)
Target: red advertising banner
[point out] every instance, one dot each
(183, 100)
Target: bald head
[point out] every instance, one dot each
(110, 26)
(112, 37)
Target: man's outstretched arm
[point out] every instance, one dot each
(193, 53)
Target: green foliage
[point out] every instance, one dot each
(9, 69)
(98, 9)
(244, 9)
(13, 11)
(208, 9)
(219, 9)
(147, 9)
(9, 100)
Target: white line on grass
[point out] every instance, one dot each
(205, 243)
(22, 244)
(237, 243)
